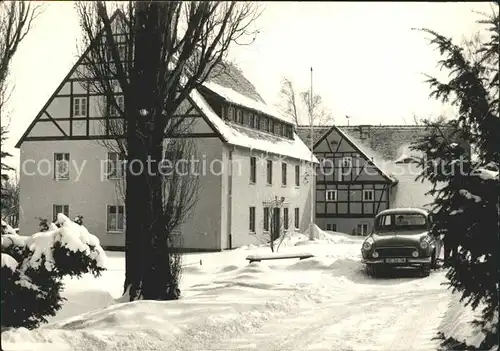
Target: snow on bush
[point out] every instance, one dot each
(7, 229)
(33, 266)
(9, 262)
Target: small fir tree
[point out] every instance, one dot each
(466, 186)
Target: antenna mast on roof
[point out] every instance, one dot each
(311, 141)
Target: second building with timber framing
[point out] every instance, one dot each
(363, 170)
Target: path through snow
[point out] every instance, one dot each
(394, 314)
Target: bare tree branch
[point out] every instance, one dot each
(275, 228)
(16, 19)
(297, 107)
(289, 100)
(318, 114)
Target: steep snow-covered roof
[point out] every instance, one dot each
(390, 142)
(229, 76)
(253, 139)
(234, 97)
(304, 132)
(229, 83)
(371, 155)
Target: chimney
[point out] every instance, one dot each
(364, 132)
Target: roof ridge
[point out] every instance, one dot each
(364, 125)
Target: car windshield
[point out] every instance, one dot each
(401, 222)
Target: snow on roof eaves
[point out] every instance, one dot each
(372, 158)
(240, 136)
(236, 98)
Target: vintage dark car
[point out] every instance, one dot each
(400, 238)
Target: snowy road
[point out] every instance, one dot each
(381, 314)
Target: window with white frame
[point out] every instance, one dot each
(368, 195)
(239, 114)
(286, 218)
(120, 101)
(331, 227)
(230, 113)
(56, 209)
(269, 170)
(253, 170)
(115, 218)
(331, 195)
(296, 218)
(362, 229)
(283, 173)
(251, 120)
(347, 161)
(266, 219)
(61, 166)
(297, 175)
(115, 165)
(251, 219)
(80, 107)
(246, 118)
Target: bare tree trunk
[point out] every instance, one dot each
(136, 235)
(135, 230)
(152, 277)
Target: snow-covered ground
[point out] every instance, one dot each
(322, 303)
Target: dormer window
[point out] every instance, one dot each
(279, 129)
(239, 115)
(364, 132)
(254, 120)
(246, 118)
(265, 123)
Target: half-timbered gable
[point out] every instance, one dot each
(76, 111)
(350, 183)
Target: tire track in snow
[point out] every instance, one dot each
(421, 325)
(303, 330)
(370, 318)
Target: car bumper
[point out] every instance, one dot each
(408, 262)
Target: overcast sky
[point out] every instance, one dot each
(367, 62)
